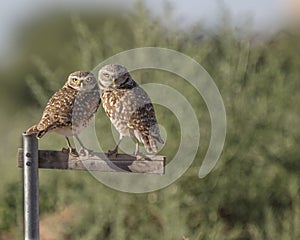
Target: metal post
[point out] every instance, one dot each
(31, 187)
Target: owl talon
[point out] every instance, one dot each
(112, 153)
(73, 152)
(140, 156)
(65, 150)
(86, 152)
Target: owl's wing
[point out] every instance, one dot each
(143, 120)
(58, 111)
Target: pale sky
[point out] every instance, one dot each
(266, 14)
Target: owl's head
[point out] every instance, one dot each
(115, 76)
(81, 80)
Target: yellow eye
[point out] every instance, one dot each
(89, 79)
(75, 80)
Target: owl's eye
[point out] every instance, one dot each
(106, 75)
(75, 80)
(89, 79)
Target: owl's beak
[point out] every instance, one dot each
(81, 83)
(114, 81)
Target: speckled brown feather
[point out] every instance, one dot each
(130, 108)
(68, 111)
(58, 112)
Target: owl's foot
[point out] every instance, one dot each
(113, 153)
(140, 156)
(86, 152)
(137, 153)
(71, 151)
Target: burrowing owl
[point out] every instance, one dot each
(129, 108)
(71, 108)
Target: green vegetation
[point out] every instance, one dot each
(253, 193)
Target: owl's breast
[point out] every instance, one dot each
(118, 109)
(85, 107)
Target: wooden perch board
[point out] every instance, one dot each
(98, 162)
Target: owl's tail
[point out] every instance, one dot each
(35, 131)
(151, 143)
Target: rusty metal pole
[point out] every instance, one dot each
(31, 187)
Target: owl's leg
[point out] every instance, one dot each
(137, 153)
(83, 149)
(114, 152)
(71, 150)
(137, 148)
(136, 136)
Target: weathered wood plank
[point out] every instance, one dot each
(98, 162)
